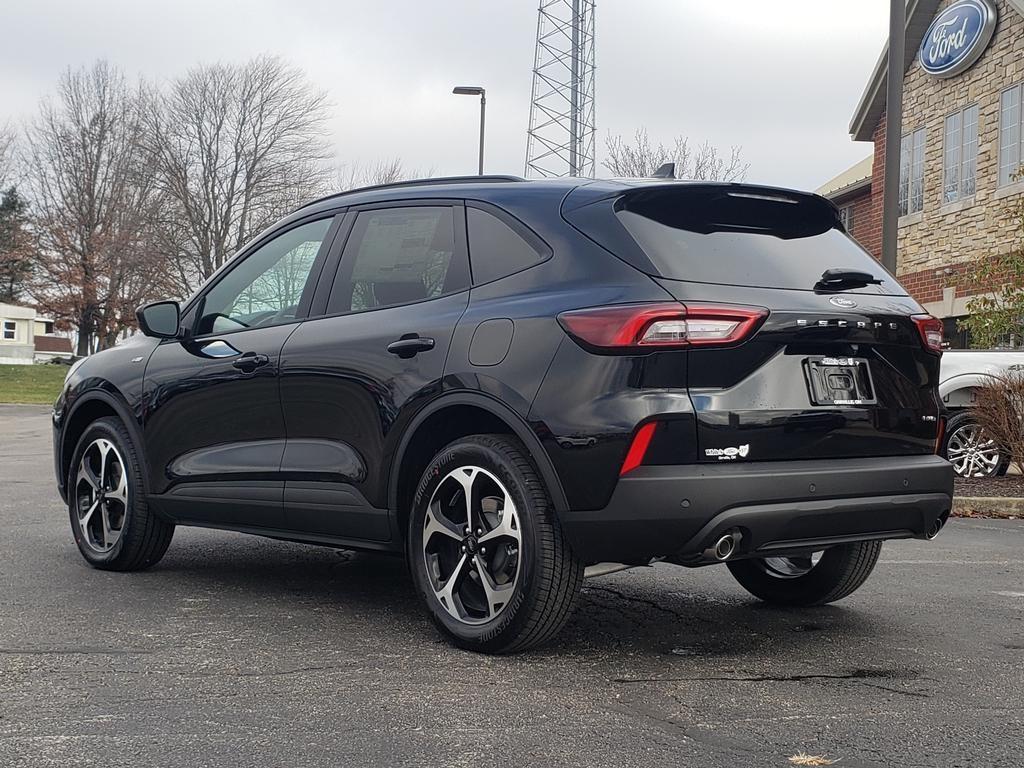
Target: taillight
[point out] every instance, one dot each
(638, 448)
(930, 329)
(628, 326)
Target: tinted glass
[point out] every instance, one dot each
(398, 256)
(495, 249)
(743, 239)
(265, 289)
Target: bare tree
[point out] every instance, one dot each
(641, 158)
(7, 147)
(231, 148)
(91, 205)
(384, 171)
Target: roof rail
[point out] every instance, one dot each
(437, 181)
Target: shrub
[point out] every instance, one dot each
(999, 411)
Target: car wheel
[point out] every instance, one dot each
(970, 451)
(486, 551)
(112, 523)
(814, 579)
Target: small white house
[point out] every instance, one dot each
(25, 337)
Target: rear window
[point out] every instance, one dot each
(751, 238)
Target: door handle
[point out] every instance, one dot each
(409, 345)
(250, 361)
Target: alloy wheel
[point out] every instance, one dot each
(790, 567)
(101, 495)
(472, 544)
(971, 453)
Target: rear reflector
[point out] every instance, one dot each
(638, 449)
(940, 432)
(930, 329)
(670, 324)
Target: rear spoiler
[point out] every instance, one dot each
(707, 207)
(704, 209)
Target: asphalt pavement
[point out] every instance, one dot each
(242, 651)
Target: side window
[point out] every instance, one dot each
(265, 288)
(398, 256)
(495, 249)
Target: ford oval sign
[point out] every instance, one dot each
(957, 37)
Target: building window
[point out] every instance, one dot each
(846, 217)
(912, 172)
(960, 162)
(1009, 135)
(9, 330)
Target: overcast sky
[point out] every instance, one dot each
(780, 79)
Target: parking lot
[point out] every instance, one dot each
(243, 651)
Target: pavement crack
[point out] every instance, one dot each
(275, 673)
(643, 601)
(915, 694)
(857, 674)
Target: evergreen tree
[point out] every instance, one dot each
(15, 254)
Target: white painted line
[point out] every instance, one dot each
(951, 562)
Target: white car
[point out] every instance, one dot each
(962, 372)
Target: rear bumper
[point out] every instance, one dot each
(679, 511)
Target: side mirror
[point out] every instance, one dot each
(160, 319)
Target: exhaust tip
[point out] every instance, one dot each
(725, 547)
(936, 526)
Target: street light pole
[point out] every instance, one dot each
(475, 90)
(893, 133)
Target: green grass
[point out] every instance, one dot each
(31, 383)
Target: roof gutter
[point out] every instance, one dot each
(872, 101)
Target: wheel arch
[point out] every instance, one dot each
(87, 408)
(958, 391)
(449, 418)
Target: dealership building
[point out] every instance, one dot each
(963, 90)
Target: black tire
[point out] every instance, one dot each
(956, 422)
(839, 572)
(142, 537)
(543, 592)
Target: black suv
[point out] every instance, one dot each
(507, 381)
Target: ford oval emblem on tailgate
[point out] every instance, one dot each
(842, 301)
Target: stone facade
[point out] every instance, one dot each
(942, 235)
(942, 240)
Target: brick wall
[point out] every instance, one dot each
(872, 239)
(927, 285)
(863, 228)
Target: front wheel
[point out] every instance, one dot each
(486, 551)
(113, 525)
(812, 579)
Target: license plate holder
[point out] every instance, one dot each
(839, 381)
